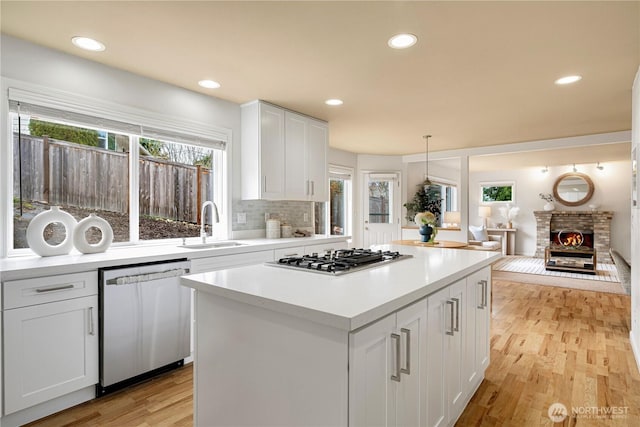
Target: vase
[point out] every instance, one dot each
(80, 238)
(549, 206)
(36, 227)
(425, 232)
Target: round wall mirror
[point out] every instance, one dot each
(573, 189)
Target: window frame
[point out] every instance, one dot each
(196, 133)
(483, 185)
(347, 174)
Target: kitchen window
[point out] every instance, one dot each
(148, 182)
(334, 218)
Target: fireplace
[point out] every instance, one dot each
(595, 227)
(572, 238)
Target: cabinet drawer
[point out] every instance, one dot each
(40, 290)
(226, 261)
(288, 252)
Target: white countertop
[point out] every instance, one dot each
(19, 267)
(348, 301)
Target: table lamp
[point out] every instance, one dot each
(484, 212)
(452, 218)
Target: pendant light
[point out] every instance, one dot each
(427, 181)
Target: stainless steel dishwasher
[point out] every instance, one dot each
(145, 322)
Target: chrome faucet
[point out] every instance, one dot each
(214, 218)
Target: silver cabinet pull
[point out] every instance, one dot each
(485, 293)
(407, 351)
(306, 191)
(450, 332)
(54, 288)
(290, 255)
(481, 305)
(91, 327)
(457, 301)
(396, 375)
(313, 188)
(264, 183)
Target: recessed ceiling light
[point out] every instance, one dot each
(402, 41)
(209, 84)
(88, 44)
(568, 80)
(333, 102)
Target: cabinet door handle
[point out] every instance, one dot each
(290, 255)
(54, 288)
(481, 305)
(396, 375)
(306, 190)
(407, 351)
(450, 332)
(264, 183)
(485, 293)
(457, 301)
(91, 327)
(313, 188)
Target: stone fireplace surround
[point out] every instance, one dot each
(598, 222)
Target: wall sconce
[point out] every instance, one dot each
(599, 166)
(452, 218)
(545, 170)
(484, 212)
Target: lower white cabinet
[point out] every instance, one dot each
(478, 320)
(458, 339)
(50, 349)
(387, 370)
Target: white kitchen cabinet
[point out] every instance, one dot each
(316, 160)
(478, 319)
(319, 248)
(446, 388)
(50, 349)
(387, 373)
(262, 151)
(306, 141)
(284, 154)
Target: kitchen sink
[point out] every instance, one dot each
(212, 245)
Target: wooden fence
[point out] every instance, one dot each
(68, 174)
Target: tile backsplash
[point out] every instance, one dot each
(291, 212)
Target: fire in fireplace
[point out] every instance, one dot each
(572, 238)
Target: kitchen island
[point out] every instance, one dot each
(402, 343)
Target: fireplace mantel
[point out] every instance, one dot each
(599, 222)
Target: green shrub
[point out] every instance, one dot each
(64, 132)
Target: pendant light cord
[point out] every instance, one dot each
(426, 163)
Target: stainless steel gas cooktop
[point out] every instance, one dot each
(339, 262)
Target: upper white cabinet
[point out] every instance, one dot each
(262, 152)
(284, 154)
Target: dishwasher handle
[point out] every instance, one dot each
(147, 277)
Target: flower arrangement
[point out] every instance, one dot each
(547, 197)
(427, 219)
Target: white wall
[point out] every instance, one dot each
(635, 228)
(612, 193)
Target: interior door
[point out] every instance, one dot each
(381, 208)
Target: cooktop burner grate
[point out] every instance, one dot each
(339, 262)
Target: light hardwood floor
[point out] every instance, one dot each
(548, 345)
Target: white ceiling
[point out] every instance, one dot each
(481, 73)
